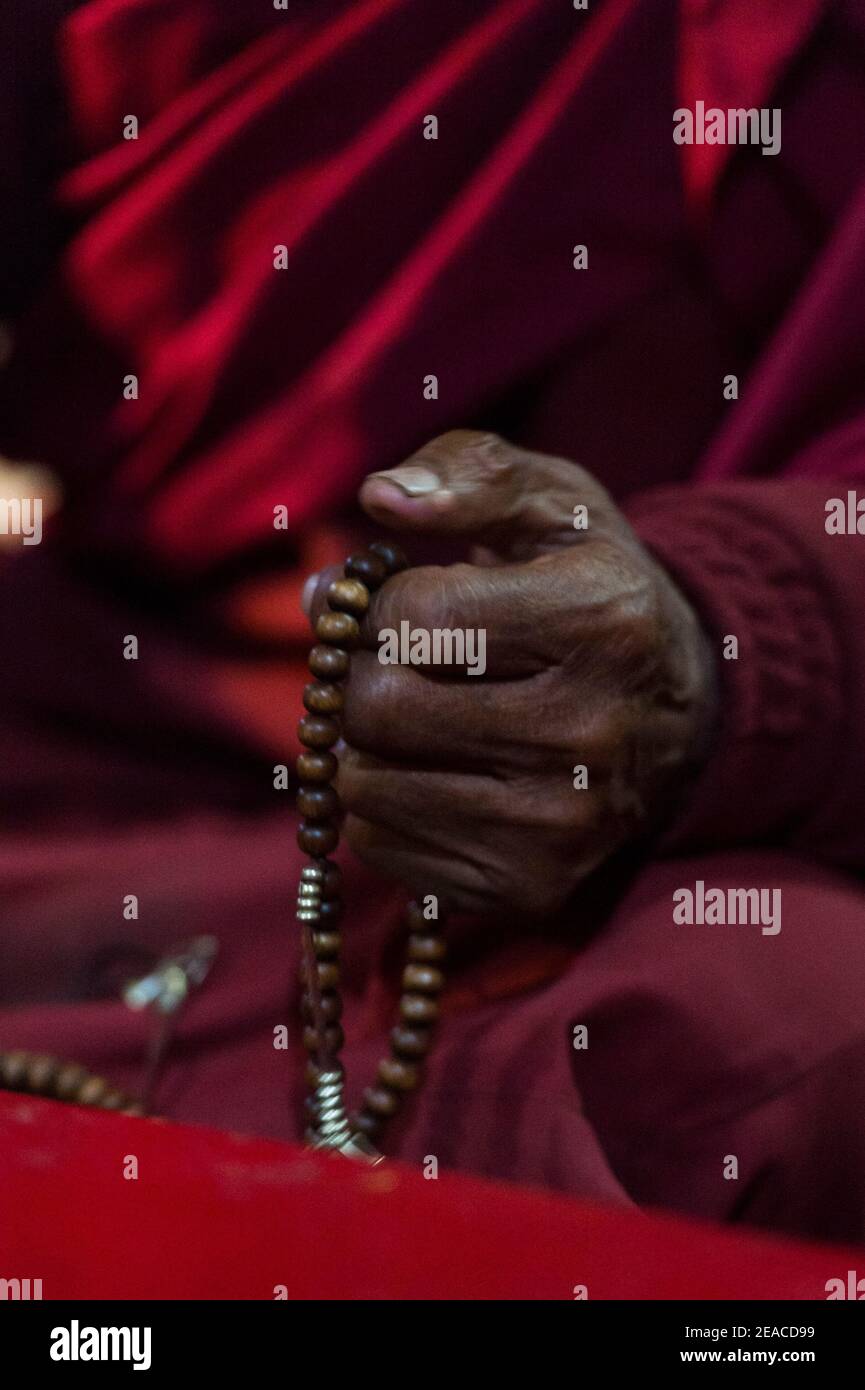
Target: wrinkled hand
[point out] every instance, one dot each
(463, 785)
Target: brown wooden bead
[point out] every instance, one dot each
(369, 1124)
(313, 1074)
(13, 1069)
(331, 1006)
(113, 1100)
(41, 1071)
(317, 803)
(426, 979)
(93, 1091)
(333, 1038)
(411, 1042)
(326, 944)
(318, 731)
(340, 628)
(418, 1008)
(323, 697)
(330, 912)
(69, 1078)
(328, 663)
(317, 839)
(370, 569)
(328, 974)
(425, 947)
(381, 1101)
(398, 1075)
(348, 596)
(317, 767)
(393, 557)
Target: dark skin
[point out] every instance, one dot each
(463, 786)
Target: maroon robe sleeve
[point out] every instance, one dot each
(758, 562)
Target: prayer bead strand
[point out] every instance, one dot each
(39, 1074)
(319, 903)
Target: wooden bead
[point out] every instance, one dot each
(369, 568)
(426, 979)
(323, 697)
(393, 557)
(398, 1075)
(348, 596)
(425, 947)
(317, 767)
(327, 973)
(113, 1100)
(330, 912)
(68, 1080)
(340, 628)
(410, 1042)
(418, 1008)
(41, 1072)
(312, 1074)
(93, 1091)
(13, 1069)
(317, 803)
(381, 1101)
(326, 944)
(331, 1006)
(328, 663)
(317, 839)
(333, 1038)
(318, 731)
(369, 1124)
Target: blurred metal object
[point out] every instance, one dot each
(333, 1127)
(166, 986)
(164, 990)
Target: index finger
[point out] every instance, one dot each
(458, 620)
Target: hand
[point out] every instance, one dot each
(464, 786)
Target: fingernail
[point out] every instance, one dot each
(412, 480)
(307, 593)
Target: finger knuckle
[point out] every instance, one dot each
(416, 595)
(374, 698)
(638, 623)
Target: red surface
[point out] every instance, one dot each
(216, 1215)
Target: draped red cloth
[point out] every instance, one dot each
(243, 1218)
(262, 387)
(247, 373)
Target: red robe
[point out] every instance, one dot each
(262, 387)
